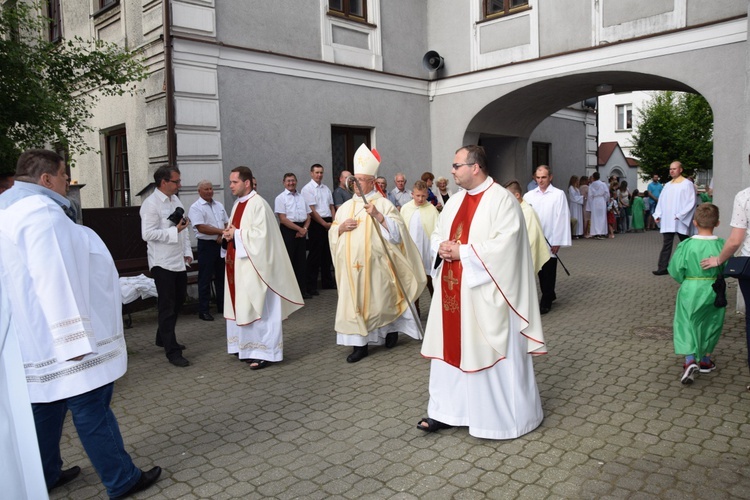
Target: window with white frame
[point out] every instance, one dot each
(624, 117)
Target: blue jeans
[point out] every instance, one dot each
(99, 433)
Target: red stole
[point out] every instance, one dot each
(232, 250)
(450, 282)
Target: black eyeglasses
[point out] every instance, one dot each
(456, 166)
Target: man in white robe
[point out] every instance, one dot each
(674, 213)
(597, 205)
(551, 205)
(260, 287)
(484, 322)
(537, 243)
(62, 300)
(368, 243)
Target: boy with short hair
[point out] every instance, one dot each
(421, 217)
(697, 322)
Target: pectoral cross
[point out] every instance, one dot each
(450, 279)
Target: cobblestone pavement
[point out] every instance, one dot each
(618, 423)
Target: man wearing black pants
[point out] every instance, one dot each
(294, 219)
(320, 199)
(163, 228)
(209, 219)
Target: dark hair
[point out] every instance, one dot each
(635, 193)
(513, 186)
(595, 176)
(706, 216)
(244, 172)
(164, 173)
(624, 186)
(315, 165)
(35, 162)
(428, 176)
(475, 154)
(573, 180)
(289, 174)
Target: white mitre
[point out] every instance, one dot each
(366, 162)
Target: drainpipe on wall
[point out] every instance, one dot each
(169, 84)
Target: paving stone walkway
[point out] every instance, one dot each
(618, 423)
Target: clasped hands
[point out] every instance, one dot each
(228, 232)
(449, 251)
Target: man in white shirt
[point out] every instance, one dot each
(209, 219)
(294, 221)
(674, 213)
(400, 193)
(551, 205)
(163, 229)
(61, 296)
(320, 199)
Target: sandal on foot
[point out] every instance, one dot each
(259, 364)
(432, 425)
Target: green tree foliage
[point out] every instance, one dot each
(674, 126)
(48, 90)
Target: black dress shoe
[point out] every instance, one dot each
(205, 316)
(391, 339)
(148, 478)
(660, 272)
(544, 309)
(306, 295)
(357, 354)
(66, 476)
(181, 362)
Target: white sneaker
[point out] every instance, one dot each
(688, 375)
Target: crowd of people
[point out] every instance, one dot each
(478, 250)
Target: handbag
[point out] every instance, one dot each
(720, 288)
(737, 267)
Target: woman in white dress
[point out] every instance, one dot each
(575, 202)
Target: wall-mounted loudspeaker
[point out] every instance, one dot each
(432, 61)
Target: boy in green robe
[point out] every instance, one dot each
(697, 322)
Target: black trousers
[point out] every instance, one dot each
(666, 249)
(210, 267)
(172, 289)
(295, 247)
(319, 257)
(547, 279)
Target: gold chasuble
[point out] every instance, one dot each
(490, 289)
(450, 282)
(368, 297)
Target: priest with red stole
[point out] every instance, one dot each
(260, 289)
(484, 323)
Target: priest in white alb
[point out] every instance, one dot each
(484, 324)
(537, 243)
(378, 269)
(260, 289)
(596, 203)
(674, 213)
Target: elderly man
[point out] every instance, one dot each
(261, 290)
(209, 219)
(373, 254)
(400, 193)
(341, 194)
(674, 213)
(294, 222)
(169, 253)
(484, 321)
(382, 184)
(63, 302)
(551, 205)
(320, 199)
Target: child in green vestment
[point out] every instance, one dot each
(636, 207)
(697, 322)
